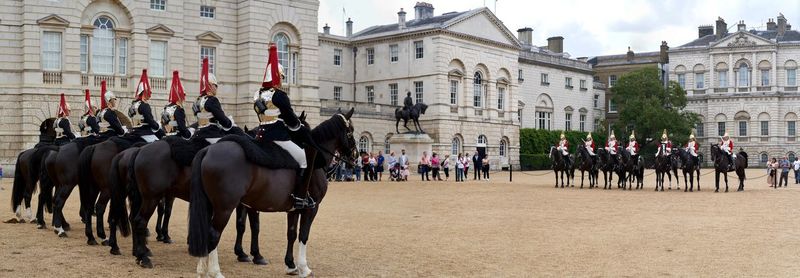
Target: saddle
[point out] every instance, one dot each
(83, 142)
(183, 150)
(126, 142)
(266, 154)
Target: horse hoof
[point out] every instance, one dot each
(159, 238)
(260, 261)
(91, 242)
(726, 190)
(662, 189)
(62, 234)
(145, 264)
(115, 251)
(40, 227)
(148, 253)
(167, 241)
(244, 259)
(104, 242)
(21, 221)
(291, 271)
(715, 191)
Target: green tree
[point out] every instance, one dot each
(649, 108)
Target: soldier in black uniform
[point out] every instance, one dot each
(276, 120)
(107, 117)
(63, 127)
(88, 124)
(144, 126)
(173, 119)
(212, 122)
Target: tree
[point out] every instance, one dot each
(647, 107)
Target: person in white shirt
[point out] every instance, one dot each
(796, 167)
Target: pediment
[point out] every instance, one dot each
(53, 20)
(482, 24)
(209, 37)
(160, 30)
(456, 72)
(743, 39)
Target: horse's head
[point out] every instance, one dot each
(555, 155)
(422, 107)
(337, 133)
(47, 128)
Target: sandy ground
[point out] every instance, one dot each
(525, 228)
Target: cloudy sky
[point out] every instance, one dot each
(589, 27)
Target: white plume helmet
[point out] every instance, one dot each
(212, 79)
(110, 96)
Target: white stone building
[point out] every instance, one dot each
(745, 83)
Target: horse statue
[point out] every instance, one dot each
(690, 168)
(587, 164)
(411, 114)
(559, 165)
(721, 166)
(606, 165)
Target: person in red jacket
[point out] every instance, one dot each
(665, 146)
(726, 145)
(633, 146)
(692, 146)
(563, 146)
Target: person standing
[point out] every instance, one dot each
(459, 168)
(373, 167)
(796, 166)
(466, 159)
(380, 160)
(424, 166)
(435, 166)
(476, 161)
(485, 167)
(771, 169)
(785, 165)
(357, 169)
(446, 167)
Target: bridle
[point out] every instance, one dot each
(348, 135)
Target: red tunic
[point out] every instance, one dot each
(635, 146)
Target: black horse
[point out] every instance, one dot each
(587, 164)
(27, 175)
(690, 168)
(663, 167)
(559, 164)
(634, 167)
(721, 165)
(410, 114)
(606, 166)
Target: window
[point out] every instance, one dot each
(482, 139)
(281, 41)
(543, 120)
(582, 122)
(700, 130)
(764, 128)
(387, 147)
(158, 5)
(103, 46)
(722, 77)
(293, 78)
(519, 76)
(337, 57)
(363, 144)
(743, 128)
(158, 58)
(596, 101)
(478, 90)
(596, 124)
(764, 158)
(568, 121)
(545, 80)
(370, 56)
(123, 56)
(453, 92)
(393, 94)
(503, 146)
(699, 81)
(791, 130)
(370, 94)
(501, 98)
(455, 147)
(84, 53)
(791, 77)
(583, 85)
(211, 54)
(720, 128)
(207, 11)
(682, 80)
(394, 52)
(51, 51)
(337, 93)
(568, 82)
(519, 116)
(744, 75)
(418, 91)
(764, 77)
(612, 80)
(612, 106)
(596, 78)
(418, 50)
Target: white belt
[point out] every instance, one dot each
(271, 122)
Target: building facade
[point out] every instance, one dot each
(743, 83)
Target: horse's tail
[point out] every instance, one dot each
(118, 214)
(199, 210)
(46, 188)
(18, 189)
(36, 167)
(86, 185)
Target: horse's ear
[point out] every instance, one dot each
(339, 110)
(350, 113)
(302, 116)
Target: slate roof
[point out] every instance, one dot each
(622, 59)
(788, 36)
(435, 21)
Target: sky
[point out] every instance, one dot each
(589, 27)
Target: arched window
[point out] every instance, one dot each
(455, 146)
(281, 41)
(791, 157)
(503, 146)
(363, 144)
(482, 140)
(103, 46)
(763, 158)
(478, 87)
(743, 75)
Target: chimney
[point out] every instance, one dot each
(788, 27)
(556, 44)
(401, 19)
(525, 35)
(349, 27)
(664, 55)
(704, 30)
(781, 25)
(722, 28)
(630, 54)
(423, 10)
(771, 25)
(741, 27)
(326, 29)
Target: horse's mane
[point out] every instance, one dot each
(328, 129)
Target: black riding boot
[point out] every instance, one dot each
(301, 197)
(731, 167)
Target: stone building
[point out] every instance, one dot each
(745, 83)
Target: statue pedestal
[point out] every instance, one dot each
(414, 144)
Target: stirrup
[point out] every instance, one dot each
(303, 203)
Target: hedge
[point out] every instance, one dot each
(535, 145)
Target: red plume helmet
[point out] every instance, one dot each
(63, 108)
(205, 84)
(88, 103)
(176, 90)
(143, 89)
(103, 104)
(272, 75)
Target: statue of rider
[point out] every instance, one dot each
(408, 103)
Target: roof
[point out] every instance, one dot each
(436, 21)
(622, 59)
(788, 36)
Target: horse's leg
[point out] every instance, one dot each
(582, 179)
(159, 219)
(306, 219)
(255, 224)
(241, 218)
(218, 222)
(726, 181)
(168, 202)
(102, 204)
(669, 175)
(291, 236)
(59, 222)
(87, 215)
(698, 178)
(716, 179)
(555, 172)
(140, 221)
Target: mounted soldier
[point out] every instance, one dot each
(277, 120)
(611, 147)
(563, 146)
(212, 123)
(633, 146)
(88, 124)
(62, 125)
(665, 146)
(691, 147)
(173, 119)
(726, 145)
(107, 119)
(144, 126)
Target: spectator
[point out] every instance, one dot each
(466, 166)
(771, 169)
(1, 173)
(435, 166)
(485, 162)
(796, 165)
(446, 167)
(424, 166)
(373, 167)
(365, 165)
(403, 160)
(459, 168)
(357, 168)
(476, 163)
(379, 168)
(785, 165)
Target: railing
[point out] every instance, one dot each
(51, 77)
(743, 90)
(98, 79)
(790, 89)
(112, 82)
(478, 112)
(554, 59)
(764, 88)
(721, 90)
(699, 92)
(158, 83)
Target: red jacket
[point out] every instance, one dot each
(566, 143)
(696, 146)
(592, 145)
(635, 146)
